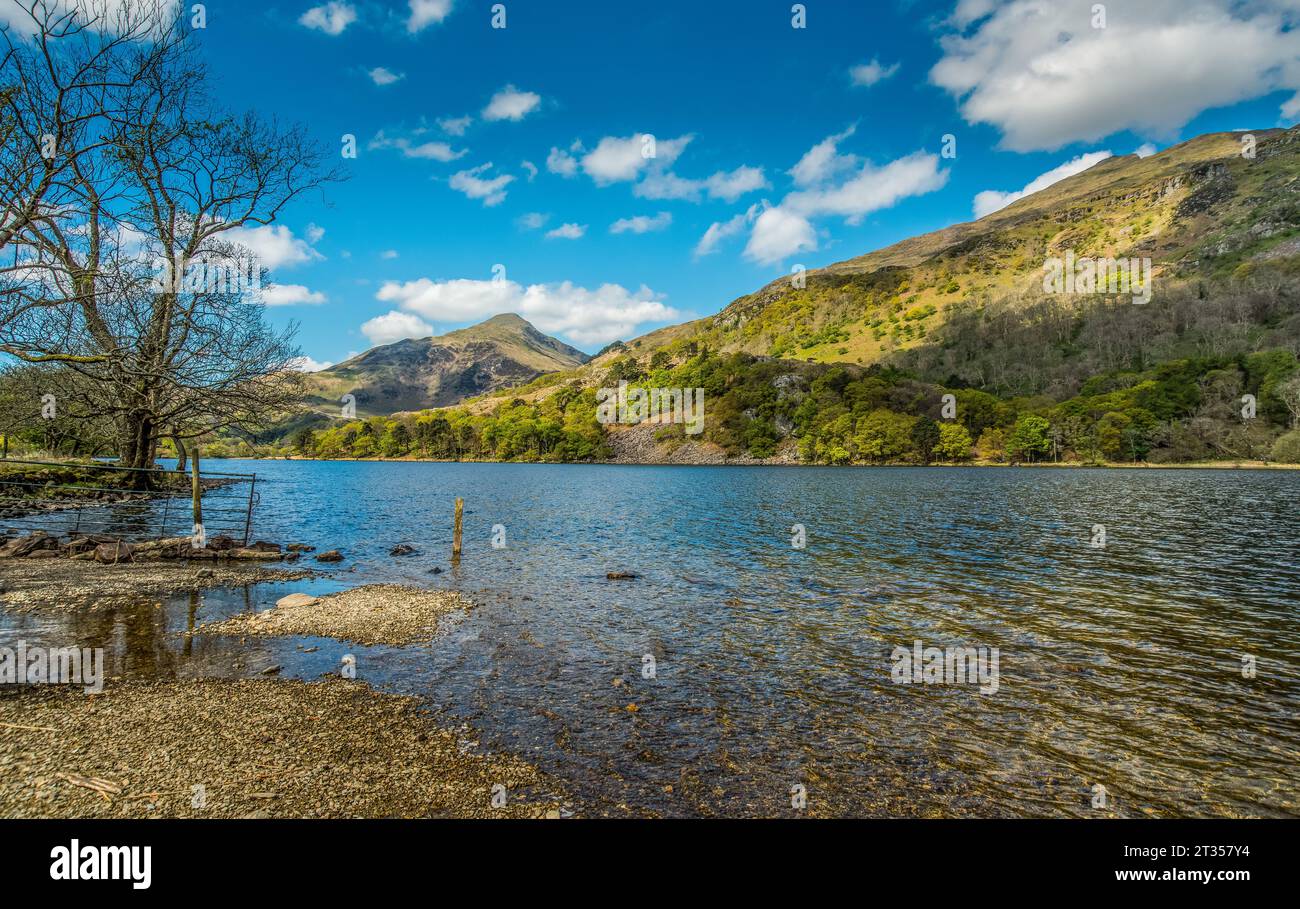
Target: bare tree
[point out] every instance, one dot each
(148, 177)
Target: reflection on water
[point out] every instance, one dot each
(1120, 666)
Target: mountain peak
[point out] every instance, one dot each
(420, 373)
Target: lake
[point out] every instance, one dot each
(1120, 665)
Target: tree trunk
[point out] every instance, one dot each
(181, 455)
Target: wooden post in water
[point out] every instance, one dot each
(196, 489)
(455, 534)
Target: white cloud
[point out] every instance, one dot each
(871, 188)
(511, 104)
(470, 182)
(868, 74)
(785, 229)
(1043, 75)
(290, 295)
(561, 162)
(307, 364)
(533, 220)
(567, 232)
(588, 317)
(823, 161)
(394, 326)
(382, 75)
(530, 168)
(16, 15)
(640, 224)
(388, 254)
(991, 200)
(455, 126)
(425, 13)
(274, 245)
(616, 160)
(723, 230)
(726, 185)
(431, 151)
(731, 186)
(1145, 150)
(331, 18)
(314, 233)
(778, 233)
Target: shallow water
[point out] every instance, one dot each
(1118, 665)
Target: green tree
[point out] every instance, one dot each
(925, 436)
(1030, 438)
(954, 442)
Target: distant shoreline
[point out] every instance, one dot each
(1068, 465)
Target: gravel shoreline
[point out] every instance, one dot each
(28, 584)
(257, 748)
(373, 614)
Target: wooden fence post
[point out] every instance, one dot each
(196, 490)
(455, 537)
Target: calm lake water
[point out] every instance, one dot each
(1119, 666)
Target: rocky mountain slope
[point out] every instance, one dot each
(1201, 210)
(415, 374)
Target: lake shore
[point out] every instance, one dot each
(253, 748)
(777, 462)
(64, 584)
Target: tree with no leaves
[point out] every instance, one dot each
(117, 194)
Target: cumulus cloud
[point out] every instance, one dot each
(511, 104)
(839, 186)
(641, 224)
(382, 75)
(567, 232)
(722, 230)
(492, 190)
(562, 162)
(1045, 77)
(274, 245)
(779, 232)
(455, 126)
(290, 295)
(991, 200)
(331, 18)
(529, 168)
(394, 326)
(725, 185)
(425, 13)
(617, 160)
(1145, 150)
(410, 148)
(870, 188)
(307, 364)
(824, 161)
(868, 74)
(586, 316)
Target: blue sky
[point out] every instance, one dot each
(522, 147)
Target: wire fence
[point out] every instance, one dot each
(126, 503)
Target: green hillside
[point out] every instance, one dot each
(854, 366)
